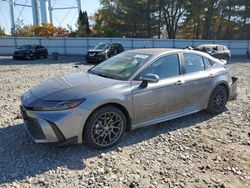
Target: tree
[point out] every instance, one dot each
(129, 18)
(173, 12)
(2, 31)
(46, 30)
(83, 28)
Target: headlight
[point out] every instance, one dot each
(59, 105)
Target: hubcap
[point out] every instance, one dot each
(107, 129)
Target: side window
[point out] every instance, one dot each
(220, 48)
(193, 63)
(164, 67)
(116, 46)
(207, 63)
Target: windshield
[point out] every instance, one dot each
(121, 66)
(102, 47)
(27, 47)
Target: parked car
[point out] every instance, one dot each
(134, 89)
(30, 52)
(103, 51)
(216, 50)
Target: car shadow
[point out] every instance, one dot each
(22, 158)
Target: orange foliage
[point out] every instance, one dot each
(49, 30)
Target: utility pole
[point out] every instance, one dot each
(35, 12)
(44, 8)
(12, 18)
(79, 6)
(50, 12)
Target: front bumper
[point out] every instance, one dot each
(57, 128)
(233, 89)
(22, 55)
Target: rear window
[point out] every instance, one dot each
(207, 63)
(193, 63)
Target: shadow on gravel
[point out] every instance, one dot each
(20, 157)
(239, 59)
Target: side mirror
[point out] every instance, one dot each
(149, 78)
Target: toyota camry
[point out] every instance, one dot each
(134, 89)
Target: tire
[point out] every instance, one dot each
(218, 100)
(33, 57)
(100, 134)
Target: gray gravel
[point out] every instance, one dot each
(199, 150)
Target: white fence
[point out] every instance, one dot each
(77, 46)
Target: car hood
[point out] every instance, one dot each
(70, 86)
(23, 50)
(95, 51)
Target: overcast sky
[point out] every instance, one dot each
(60, 17)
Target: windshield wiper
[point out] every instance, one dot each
(100, 74)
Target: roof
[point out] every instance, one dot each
(211, 45)
(155, 51)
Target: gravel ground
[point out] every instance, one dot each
(199, 150)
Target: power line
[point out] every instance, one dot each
(26, 20)
(67, 13)
(21, 10)
(56, 18)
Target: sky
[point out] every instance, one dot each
(60, 17)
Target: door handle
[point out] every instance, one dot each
(179, 82)
(211, 75)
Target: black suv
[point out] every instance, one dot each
(30, 52)
(103, 51)
(216, 50)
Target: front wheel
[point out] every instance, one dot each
(217, 100)
(105, 127)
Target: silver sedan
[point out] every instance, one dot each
(134, 89)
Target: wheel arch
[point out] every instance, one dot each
(117, 105)
(225, 85)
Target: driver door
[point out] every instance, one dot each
(159, 99)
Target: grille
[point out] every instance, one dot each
(34, 128)
(91, 54)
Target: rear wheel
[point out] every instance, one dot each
(105, 127)
(217, 100)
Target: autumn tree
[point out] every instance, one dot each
(46, 30)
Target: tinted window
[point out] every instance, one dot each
(207, 63)
(193, 63)
(220, 48)
(102, 47)
(27, 47)
(164, 67)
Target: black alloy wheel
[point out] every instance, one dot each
(105, 127)
(218, 100)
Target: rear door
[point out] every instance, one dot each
(159, 99)
(198, 81)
